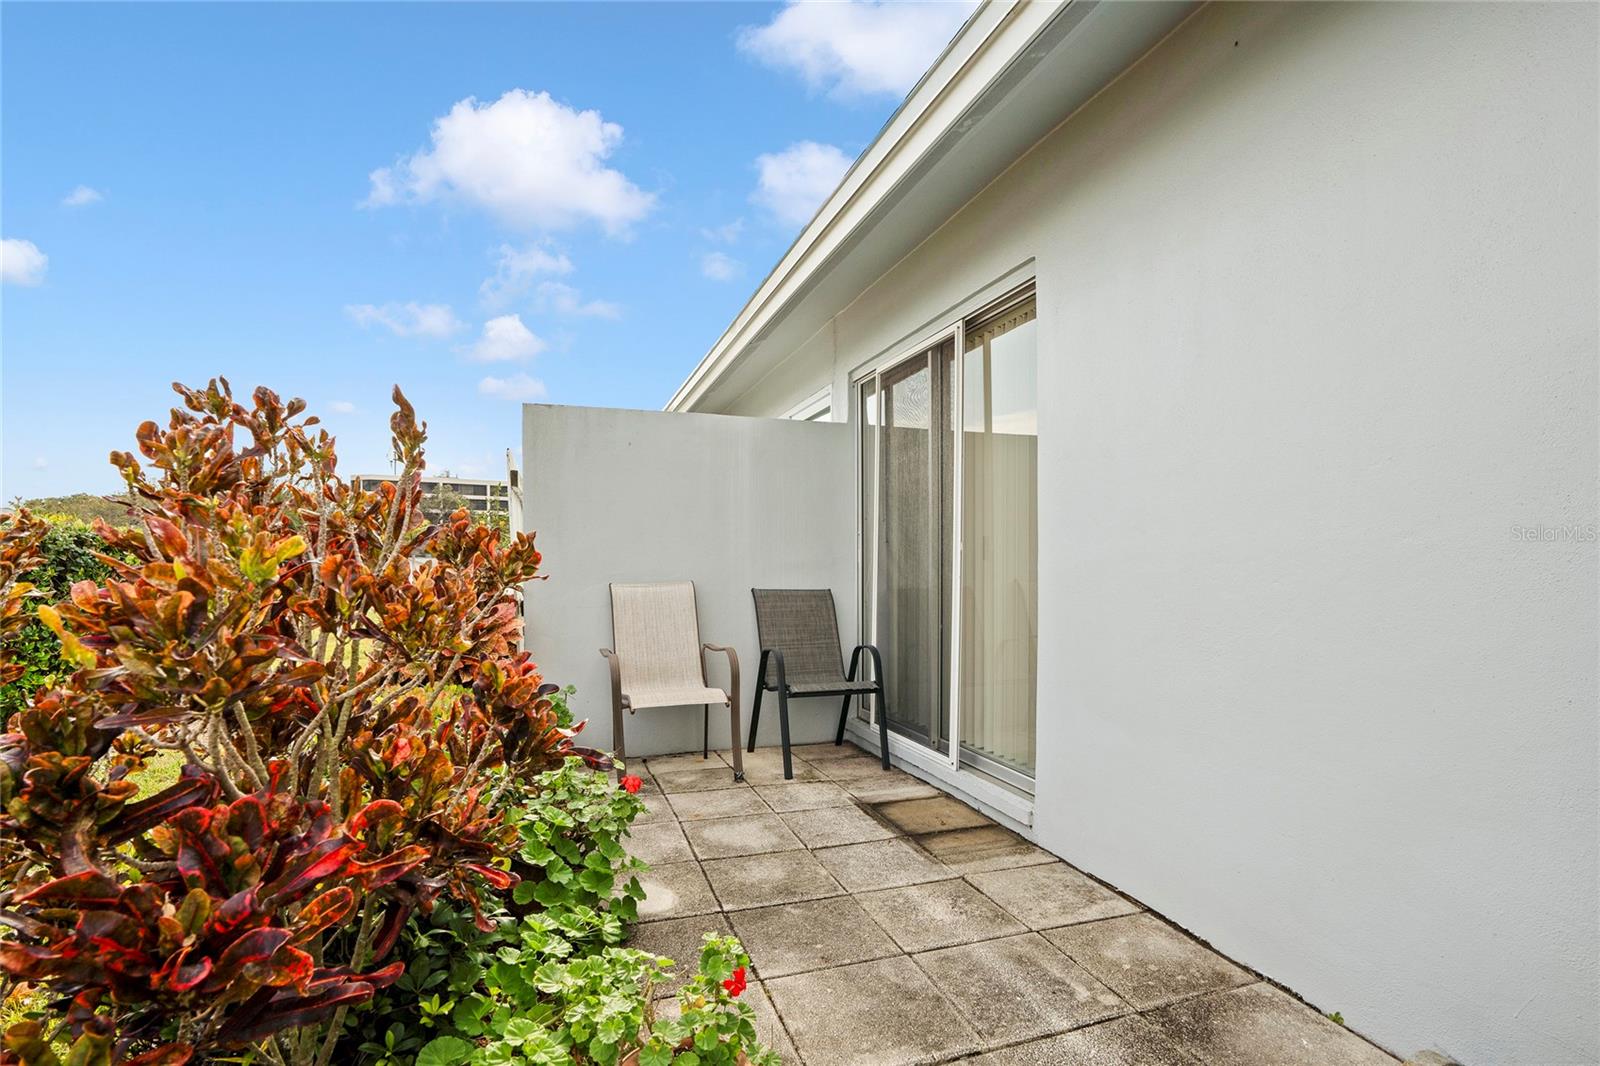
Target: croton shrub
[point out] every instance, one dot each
(343, 680)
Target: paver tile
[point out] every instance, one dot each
(849, 767)
(880, 1013)
(698, 780)
(938, 915)
(675, 890)
(814, 935)
(1259, 1026)
(1146, 961)
(1043, 897)
(764, 880)
(804, 795)
(937, 814)
(658, 843)
(723, 838)
(689, 760)
(1125, 1041)
(988, 847)
(881, 864)
(764, 766)
(768, 756)
(829, 826)
(679, 939)
(827, 750)
(769, 1029)
(656, 808)
(1019, 987)
(720, 803)
(888, 787)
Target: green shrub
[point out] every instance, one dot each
(553, 984)
(544, 1002)
(572, 824)
(71, 550)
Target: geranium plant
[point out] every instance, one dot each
(343, 678)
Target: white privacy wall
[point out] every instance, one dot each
(728, 503)
(1317, 304)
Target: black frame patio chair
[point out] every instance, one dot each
(799, 634)
(657, 659)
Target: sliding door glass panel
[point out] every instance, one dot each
(869, 495)
(907, 551)
(999, 546)
(944, 460)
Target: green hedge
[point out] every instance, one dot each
(71, 550)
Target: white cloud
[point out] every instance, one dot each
(41, 463)
(505, 340)
(720, 267)
(411, 319)
(563, 299)
(859, 47)
(794, 182)
(727, 233)
(515, 270)
(342, 407)
(529, 159)
(82, 196)
(21, 262)
(518, 387)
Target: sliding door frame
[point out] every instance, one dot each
(1018, 286)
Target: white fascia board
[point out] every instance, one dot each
(996, 34)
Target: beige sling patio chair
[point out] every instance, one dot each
(658, 659)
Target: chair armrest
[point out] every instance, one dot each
(877, 663)
(616, 677)
(733, 664)
(733, 702)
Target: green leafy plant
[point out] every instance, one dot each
(548, 1002)
(572, 826)
(70, 552)
(713, 1027)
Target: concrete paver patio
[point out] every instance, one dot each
(889, 924)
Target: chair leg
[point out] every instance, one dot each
(783, 730)
(705, 731)
(735, 747)
(883, 727)
(755, 709)
(844, 711)
(617, 745)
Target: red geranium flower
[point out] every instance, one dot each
(735, 984)
(631, 783)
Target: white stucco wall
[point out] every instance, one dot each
(728, 503)
(1317, 303)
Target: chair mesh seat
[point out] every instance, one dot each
(676, 696)
(828, 688)
(657, 636)
(801, 624)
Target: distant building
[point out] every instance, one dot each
(443, 494)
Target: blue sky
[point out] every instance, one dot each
(483, 203)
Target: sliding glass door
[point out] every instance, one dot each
(974, 637)
(999, 542)
(907, 415)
